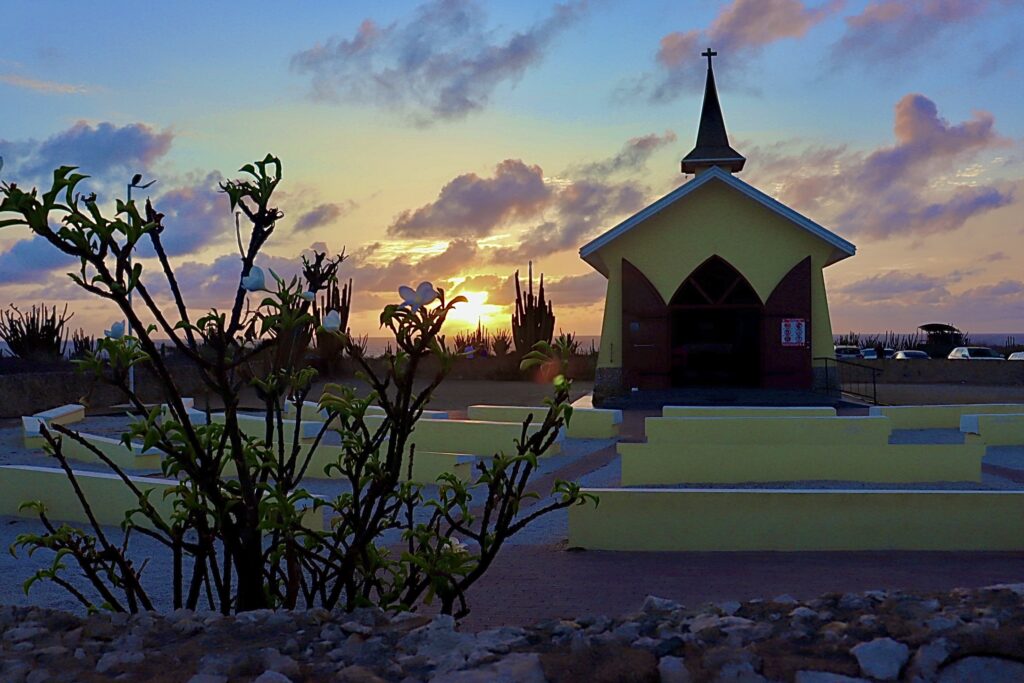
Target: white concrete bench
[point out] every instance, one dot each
(256, 427)
(798, 520)
(135, 458)
(731, 450)
(782, 431)
(469, 437)
(109, 497)
(585, 423)
(994, 430)
(940, 417)
(61, 415)
(311, 412)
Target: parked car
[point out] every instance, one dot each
(1019, 355)
(847, 352)
(911, 354)
(872, 354)
(974, 353)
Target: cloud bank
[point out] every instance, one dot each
(444, 63)
(908, 188)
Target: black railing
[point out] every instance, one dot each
(850, 378)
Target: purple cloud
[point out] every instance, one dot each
(741, 30)
(899, 286)
(103, 150)
(577, 290)
(632, 157)
(195, 216)
(888, 29)
(32, 260)
(323, 214)
(923, 297)
(891, 190)
(444, 63)
(476, 205)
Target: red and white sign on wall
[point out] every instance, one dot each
(794, 332)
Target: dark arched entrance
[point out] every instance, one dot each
(715, 328)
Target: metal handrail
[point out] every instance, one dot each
(858, 388)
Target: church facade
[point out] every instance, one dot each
(715, 284)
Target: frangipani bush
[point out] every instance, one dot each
(239, 542)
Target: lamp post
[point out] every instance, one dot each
(134, 184)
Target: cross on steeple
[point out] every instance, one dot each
(709, 53)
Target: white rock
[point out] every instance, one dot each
(1017, 588)
(628, 631)
(271, 677)
(987, 669)
(439, 640)
(882, 658)
(356, 627)
(785, 599)
(825, 677)
(501, 639)
(739, 672)
(275, 661)
(673, 670)
(208, 678)
(20, 633)
(940, 623)
(38, 676)
(729, 607)
(653, 604)
(117, 660)
(930, 657)
(515, 668)
(803, 613)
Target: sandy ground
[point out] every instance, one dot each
(945, 394)
(537, 577)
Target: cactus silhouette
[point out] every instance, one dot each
(533, 319)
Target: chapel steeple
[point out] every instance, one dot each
(712, 148)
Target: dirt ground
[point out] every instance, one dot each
(944, 394)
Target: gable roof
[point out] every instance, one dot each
(841, 248)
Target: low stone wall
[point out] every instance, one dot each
(942, 371)
(963, 635)
(28, 393)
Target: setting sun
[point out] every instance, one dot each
(476, 310)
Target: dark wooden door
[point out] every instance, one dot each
(784, 366)
(645, 332)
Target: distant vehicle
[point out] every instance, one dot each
(872, 354)
(974, 353)
(911, 354)
(1019, 355)
(847, 352)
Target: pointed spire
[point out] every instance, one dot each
(712, 148)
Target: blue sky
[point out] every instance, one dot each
(897, 124)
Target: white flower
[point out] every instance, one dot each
(332, 321)
(419, 297)
(458, 546)
(116, 330)
(308, 296)
(255, 280)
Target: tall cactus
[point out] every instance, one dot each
(336, 299)
(533, 319)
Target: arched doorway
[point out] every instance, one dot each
(715, 328)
